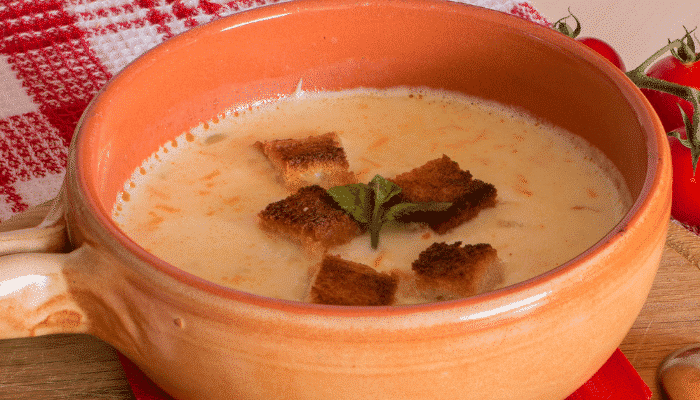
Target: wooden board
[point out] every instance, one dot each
(671, 315)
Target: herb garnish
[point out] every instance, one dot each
(374, 204)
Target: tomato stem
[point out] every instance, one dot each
(686, 53)
(692, 95)
(564, 28)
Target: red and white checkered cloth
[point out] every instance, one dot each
(55, 55)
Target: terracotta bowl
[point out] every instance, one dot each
(539, 339)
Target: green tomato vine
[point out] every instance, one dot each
(684, 50)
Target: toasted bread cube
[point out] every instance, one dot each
(315, 160)
(310, 216)
(441, 180)
(448, 271)
(477, 196)
(346, 283)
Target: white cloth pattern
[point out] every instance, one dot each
(56, 54)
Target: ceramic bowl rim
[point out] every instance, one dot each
(516, 291)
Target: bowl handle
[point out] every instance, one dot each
(35, 295)
(41, 228)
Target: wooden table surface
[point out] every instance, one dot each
(82, 367)
(671, 315)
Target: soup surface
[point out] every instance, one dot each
(195, 202)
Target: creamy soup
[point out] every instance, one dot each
(195, 202)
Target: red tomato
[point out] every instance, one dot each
(673, 70)
(604, 50)
(686, 185)
(597, 45)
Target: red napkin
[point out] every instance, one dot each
(616, 380)
(55, 55)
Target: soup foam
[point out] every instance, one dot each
(194, 203)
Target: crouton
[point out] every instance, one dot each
(315, 160)
(448, 271)
(441, 180)
(346, 283)
(310, 216)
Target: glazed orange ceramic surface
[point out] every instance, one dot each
(538, 339)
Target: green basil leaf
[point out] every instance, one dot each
(374, 229)
(368, 204)
(384, 190)
(355, 199)
(402, 209)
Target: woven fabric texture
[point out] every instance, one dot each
(55, 55)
